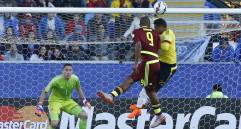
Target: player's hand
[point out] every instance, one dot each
(135, 69)
(39, 109)
(86, 103)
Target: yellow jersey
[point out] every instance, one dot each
(168, 56)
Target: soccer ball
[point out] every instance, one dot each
(160, 7)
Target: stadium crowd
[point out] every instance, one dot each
(63, 36)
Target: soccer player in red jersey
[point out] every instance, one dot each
(147, 45)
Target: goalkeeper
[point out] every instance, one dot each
(167, 60)
(61, 88)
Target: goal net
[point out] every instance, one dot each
(36, 42)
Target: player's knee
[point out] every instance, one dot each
(150, 89)
(54, 124)
(83, 115)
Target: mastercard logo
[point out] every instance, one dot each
(23, 118)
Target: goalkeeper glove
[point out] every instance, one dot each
(39, 109)
(86, 103)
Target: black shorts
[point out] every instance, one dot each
(166, 72)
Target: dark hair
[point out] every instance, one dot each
(217, 87)
(67, 64)
(160, 22)
(224, 40)
(145, 21)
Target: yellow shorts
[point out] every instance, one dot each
(69, 106)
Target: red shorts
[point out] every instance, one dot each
(148, 73)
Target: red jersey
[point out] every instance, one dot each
(150, 42)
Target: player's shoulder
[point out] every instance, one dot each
(75, 77)
(170, 31)
(58, 77)
(137, 30)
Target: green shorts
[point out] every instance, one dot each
(69, 106)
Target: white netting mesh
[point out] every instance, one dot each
(97, 40)
(101, 36)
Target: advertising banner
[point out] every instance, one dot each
(180, 114)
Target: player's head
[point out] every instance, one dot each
(217, 87)
(145, 21)
(67, 70)
(160, 25)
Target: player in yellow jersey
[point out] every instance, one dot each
(167, 60)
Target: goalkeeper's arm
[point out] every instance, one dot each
(82, 96)
(42, 96)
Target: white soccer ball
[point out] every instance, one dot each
(160, 7)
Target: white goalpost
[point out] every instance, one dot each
(120, 10)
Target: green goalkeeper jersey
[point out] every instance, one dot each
(61, 89)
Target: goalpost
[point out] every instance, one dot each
(102, 58)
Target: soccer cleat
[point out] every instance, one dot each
(133, 107)
(105, 97)
(160, 120)
(135, 111)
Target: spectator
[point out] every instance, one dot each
(111, 29)
(57, 55)
(96, 3)
(27, 25)
(10, 3)
(120, 4)
(217, 92)
(2, 28)
(9, 35)
(50, 37)
(223, 52)
(28, 3)
(238, 51)
(93, 23)
(68, 3)
(76, 26)
(44, 3)
(31, 46)
(121, 21)
(100, 50)
(42, 55)
(136, 3)
(13, 22)
(1, 57)
(53, 22)
(51, 42)
(76, 52)
(13, 55)
(2, 3)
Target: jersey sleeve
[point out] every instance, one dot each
(77, 83)
(50, 85)
(135, 36)
(166, 36)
